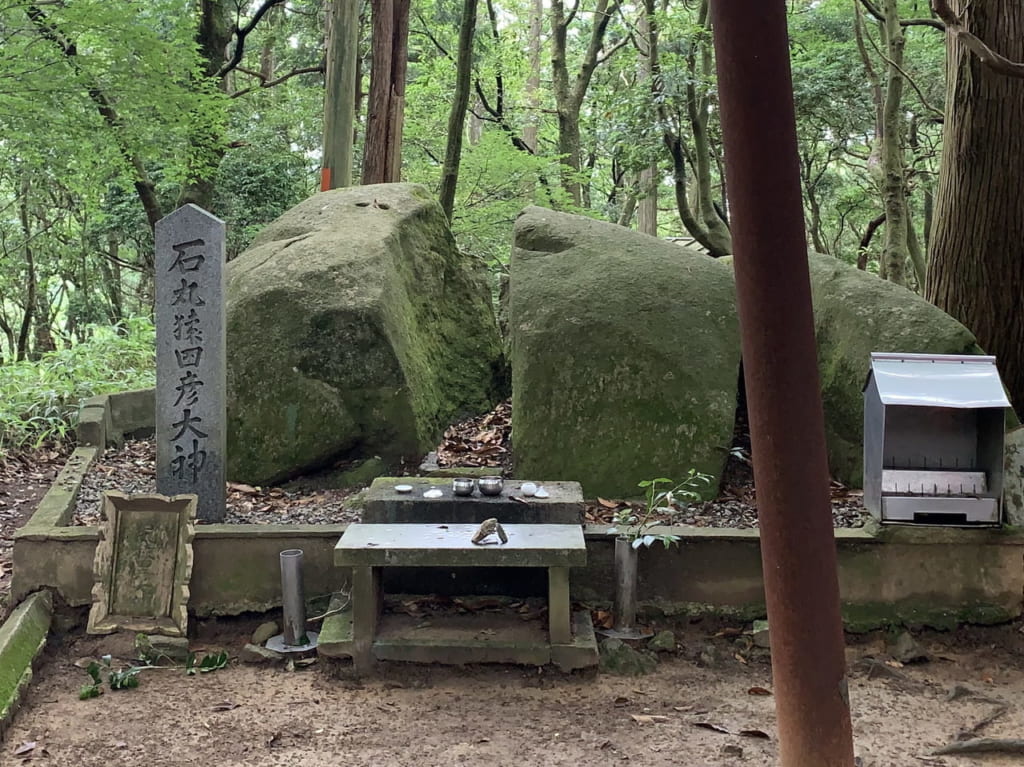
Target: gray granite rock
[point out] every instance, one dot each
(663, 641)
(155, 647)
(255, 654)
(264, 631)
(357, 328)
(760, 634)
(905, 649)
(1013, 478)
(620, 659)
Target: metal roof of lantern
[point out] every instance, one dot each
(937, 380)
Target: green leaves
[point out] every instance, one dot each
(212, 662)
(663, 499)
(39, 401)
(117, 679)
(128, 678)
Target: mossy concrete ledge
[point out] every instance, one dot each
(22, 637)
(105, 420)
(916, 576)
(236, 568)
(919, 577)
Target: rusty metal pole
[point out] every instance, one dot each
(783, 395)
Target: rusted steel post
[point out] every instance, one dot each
(783, 395)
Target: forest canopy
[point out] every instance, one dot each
(114, 112)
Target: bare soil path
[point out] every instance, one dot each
(424, 716)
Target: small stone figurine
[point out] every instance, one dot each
(487, 528)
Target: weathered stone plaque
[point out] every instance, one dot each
(143, 564)
(190, 359)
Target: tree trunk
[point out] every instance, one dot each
(533, 79)
(976, 265)
(892, 172)
(698, 108)
(21, 352)
(340, 93)
(382, 154)
(569, 99)
(206, 140)
(457, 115)
(647, 205)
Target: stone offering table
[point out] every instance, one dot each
(365, 635)
(386, 505)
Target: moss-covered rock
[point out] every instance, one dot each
(625, 355)
(619, 659)
(1013, 478)
(856, 313)
(355, 328)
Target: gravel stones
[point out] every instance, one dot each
(130, 469)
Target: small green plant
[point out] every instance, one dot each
(662, 498)
(118, 679)
(211, 662)
(95, 689)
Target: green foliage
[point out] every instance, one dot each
(95, 688)
(117, 679)
(663, 498)
(210, 662)
(39, 401)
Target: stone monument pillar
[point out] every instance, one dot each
(191, 416)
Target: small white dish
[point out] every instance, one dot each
(541, 493)
(434, 493)
(529, 489)
(403, 489)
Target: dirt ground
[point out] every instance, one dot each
(498, 715)
(23, 481)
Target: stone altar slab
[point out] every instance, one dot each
(143, 564)
(450, 545)
(385, 505)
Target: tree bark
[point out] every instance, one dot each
(533, 79)
(21, 351)
(976, 264)
(457, 115)
(896, 248)
(569, 98)
(698, 110)
(382, 153)
(647, 183)
(340, 93)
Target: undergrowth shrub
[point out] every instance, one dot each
(39, 400)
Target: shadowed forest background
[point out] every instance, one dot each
(112, 114)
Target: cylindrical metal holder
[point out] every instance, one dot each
(293, 598)
(624, 611)
(626, 558)
(294, 637)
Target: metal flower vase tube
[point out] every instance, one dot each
(634, 528)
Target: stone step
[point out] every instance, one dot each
(460, 639)
(385, 505)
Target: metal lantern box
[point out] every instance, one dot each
(933, 439)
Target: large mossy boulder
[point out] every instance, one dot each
(856, 313)
(625, 355)
(355, 328)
